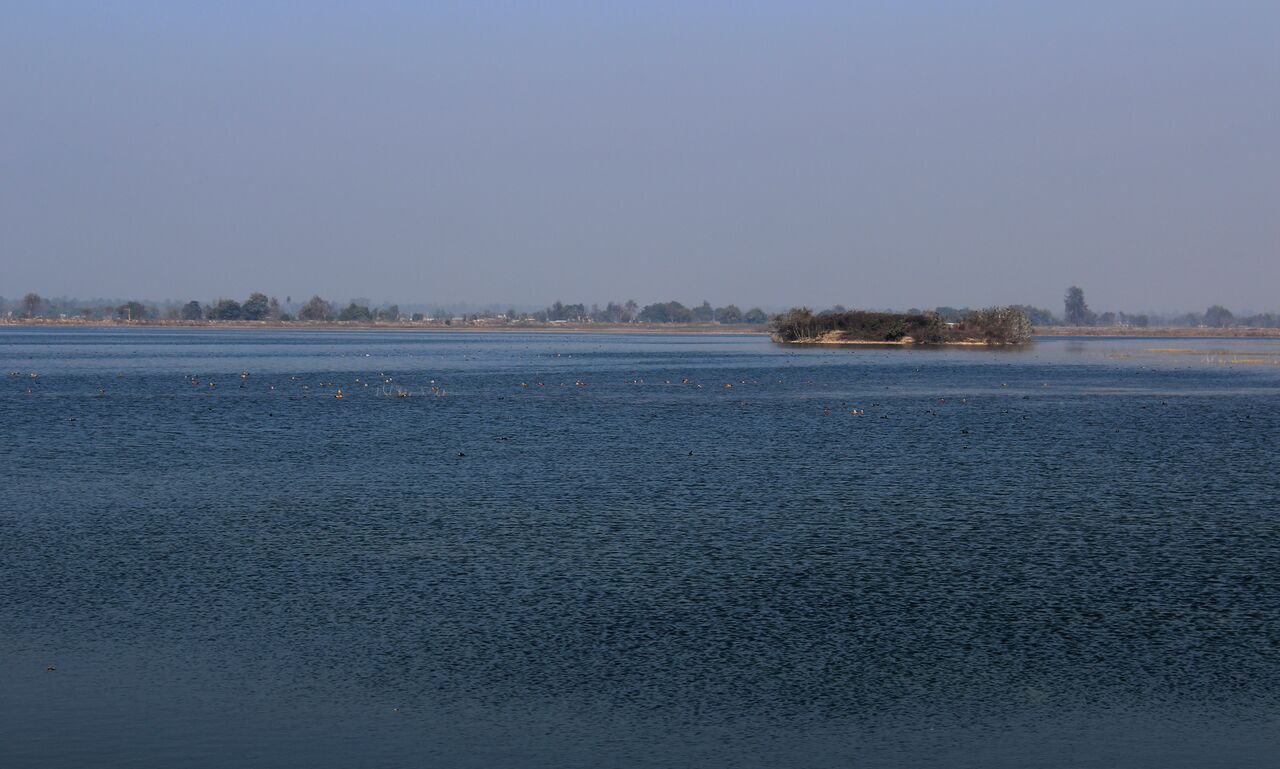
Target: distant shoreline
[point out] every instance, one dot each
(1159, 332)
(610, 328)
(512, 328)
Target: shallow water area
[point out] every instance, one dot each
(550, 550)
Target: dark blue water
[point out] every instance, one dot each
(1063, 557)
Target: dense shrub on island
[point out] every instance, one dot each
(993, 326)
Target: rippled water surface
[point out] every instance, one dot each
(1067, 556)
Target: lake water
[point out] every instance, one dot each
(1067, 556)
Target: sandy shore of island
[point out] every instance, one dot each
(838, 339)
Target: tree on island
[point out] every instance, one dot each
(316, 309)
(1077, 311)
(31, 305)
(191, 311)
(755, 316)
(1218, 316)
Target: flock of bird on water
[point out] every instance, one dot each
(386, 387)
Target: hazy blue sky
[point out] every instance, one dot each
(876, 154)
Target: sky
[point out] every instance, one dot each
(881, 155)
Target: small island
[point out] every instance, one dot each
(992, 327)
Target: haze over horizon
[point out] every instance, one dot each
(870, 154)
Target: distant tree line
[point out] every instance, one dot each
(260, 307)
(631, 312)
(1076, 312)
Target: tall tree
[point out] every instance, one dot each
(134, 310)
(31, 305)
(255, 307)
(224, 309)
(1218, 316)
(192, 311)
(666, 312)
(354, 312)
(316, 309)
(1076, 310)
(729, 314)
